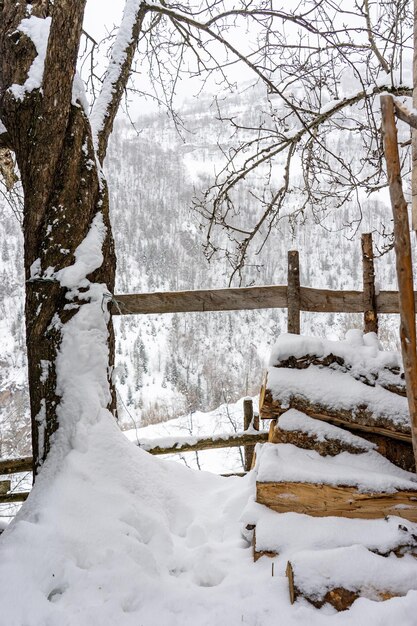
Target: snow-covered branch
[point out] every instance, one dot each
(117, 74)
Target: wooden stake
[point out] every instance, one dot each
(402, 247)
(290, 575)
(414, 132)
(369, 296)
(248, 420)
(293, 292)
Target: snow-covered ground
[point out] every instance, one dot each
(118, 537)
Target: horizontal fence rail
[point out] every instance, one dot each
(247, 298)
(169, 445)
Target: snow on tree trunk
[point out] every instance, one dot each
(69, 252)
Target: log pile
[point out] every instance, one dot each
(339, 450)
(286, 386)
(341, 576)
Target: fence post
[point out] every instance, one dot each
(403, 254)
(249, 420)
(370, 316)
(293, 293)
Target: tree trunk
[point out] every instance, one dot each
(77, 197)
(65, 194)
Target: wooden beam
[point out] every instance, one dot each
(18, 496)
(206, 443)
(392, 378)
(13, 466)
(201, 300)
(293, 293)
(210, 443)
(4, 486)
(319, 500)
(359, 418)
(404, 114)
(404, 263)
(369, 297)
(250, 298)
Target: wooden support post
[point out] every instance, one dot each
(369, 296)
(293, 293)
(249, 419)
(402, 247)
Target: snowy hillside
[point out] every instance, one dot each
(176, 364)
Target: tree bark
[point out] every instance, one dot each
(369, 294)
(63, 188)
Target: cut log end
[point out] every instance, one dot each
(320, 500)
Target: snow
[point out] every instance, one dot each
(369, 472)
(294, 420)
(336, 390)
(37, 29)
(79, 96)
(360, 351)
(88, 257)
(119, 537)
(354, 568)
(290, 533)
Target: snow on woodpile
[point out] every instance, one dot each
(362, 352)
(342, 378)
(290, 533)
(293, 420)
(369, 472)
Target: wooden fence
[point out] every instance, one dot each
(293, 297)
(248, 438)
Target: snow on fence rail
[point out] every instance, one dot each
(167, 445)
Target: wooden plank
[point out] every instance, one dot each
(201, 300)
(402, 245)
(308, 441)
(293, 293)
(13, 466)
(250, 298)
(208, 443)
(342, 590)
(211, 443)
(328, 301)
(369, 297)
(339, 597)
(4, 486)
(328, 500)
(9, 498)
